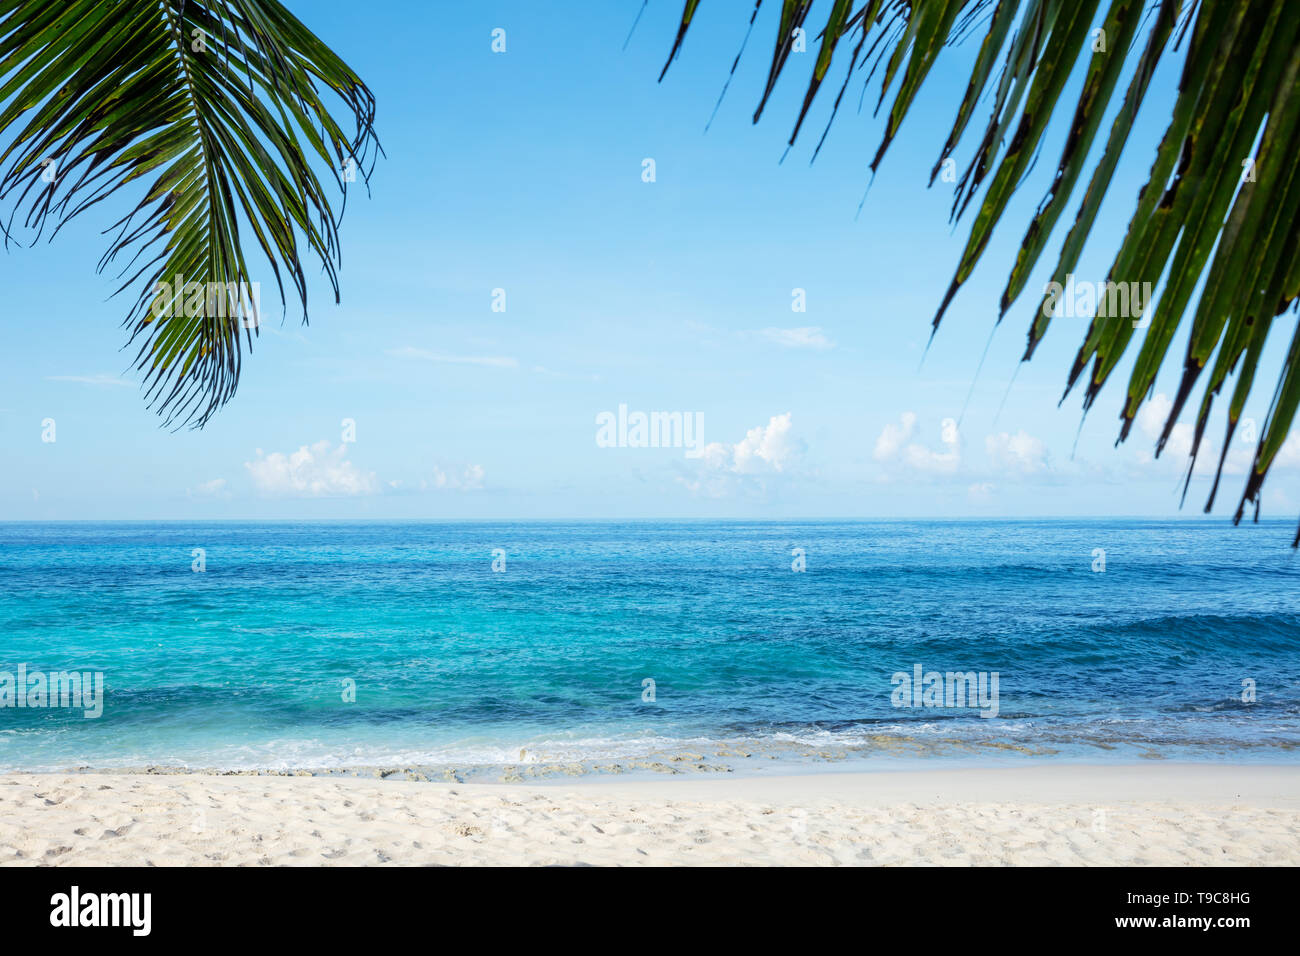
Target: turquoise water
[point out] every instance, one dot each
(755, 666)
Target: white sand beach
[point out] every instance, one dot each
(1155, 814)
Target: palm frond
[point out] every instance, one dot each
(217, 105)
(1221, 203)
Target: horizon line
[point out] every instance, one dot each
(640, 519)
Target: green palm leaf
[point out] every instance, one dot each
(1199, 217)
(216, 105)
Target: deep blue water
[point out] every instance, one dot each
(244, 665)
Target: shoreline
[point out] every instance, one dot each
(680, 768)
(1131, 815)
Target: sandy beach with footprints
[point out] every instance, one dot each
(1044, 814)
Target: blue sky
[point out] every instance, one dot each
(522, 171)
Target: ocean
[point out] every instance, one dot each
(494, 651)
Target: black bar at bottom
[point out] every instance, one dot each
(388, 906)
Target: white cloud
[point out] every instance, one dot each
(491, 361)
(318, 471)
(766, 450)
(892, 445)
(470, 479)
(216, 488)
(98, 380)
(1020, 453)
(1288, 456)
(981, 491)
(716, 456)
(1153, 413)
(893, 437)
(1151, 419)
(803, 337)
(923, 459)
